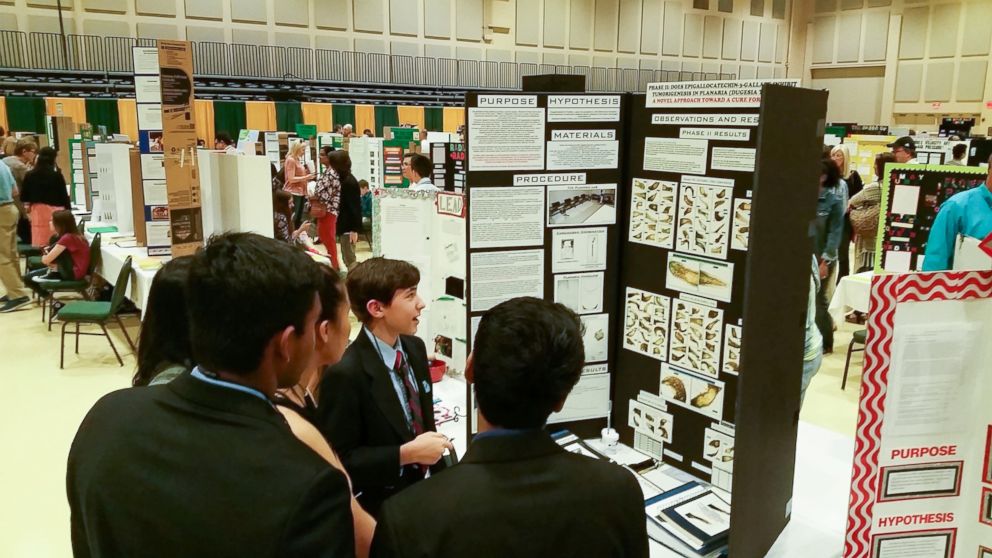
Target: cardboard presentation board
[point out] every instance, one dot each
(911, 198)
(175, 59)
(428, 230)
(922, 477)
(151, 167)
(366, 160)
(544, 181)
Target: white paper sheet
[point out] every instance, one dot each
(155, 192)
(499, 276)
(675, 155)
(583, 108)
(153, 167)
(149, 116)
(145, 60)
(905, 199)
(930, 376)
(916, 545)
(507, 217)
(597, 336)
(898, 262)
(734, 159)
(590, 398)
(148, 89)
(506, 138)
(567, 155)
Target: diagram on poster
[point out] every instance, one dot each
(582, 292)
(742, 224)
(500, 276)
(578, 250)
(588, 204)
(704, 216)
(692, 392)
(507, 133)
(596, 338)
(718, 448)
(650, 421)
(507, 217)
(732, 350)
(696, 337)
(700, 276)
(675, 155)
(652, 212)
(646, 323)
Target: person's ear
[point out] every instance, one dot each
(323, 331)
(374, 308)
(470, 368)
(284, 348)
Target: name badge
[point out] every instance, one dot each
(427, 386)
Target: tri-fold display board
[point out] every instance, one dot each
(922, 477)
(675, 224)
(911, 198)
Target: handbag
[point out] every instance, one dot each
(318, 209)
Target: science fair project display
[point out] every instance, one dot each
(911, 197)
(922, 478)
(154, 193)
(657, 253)
(544, 177)
(427, 229)
(715, 270)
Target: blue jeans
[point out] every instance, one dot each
(810, 368)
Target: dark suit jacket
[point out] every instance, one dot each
(517, 495)
(361, 416)
(192, 469)
(350, 209)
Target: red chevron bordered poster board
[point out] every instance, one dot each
(922, 479)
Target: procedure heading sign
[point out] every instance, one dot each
(709, 94)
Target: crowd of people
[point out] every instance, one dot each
(254, 428)
(847, 211)
(35, 210)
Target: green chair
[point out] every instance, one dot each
(75, 286)
(97, 312)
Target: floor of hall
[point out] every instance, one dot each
(41, 408)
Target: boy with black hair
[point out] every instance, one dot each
(376, 407)
(420, 174)
(205, 465)
(517, 492)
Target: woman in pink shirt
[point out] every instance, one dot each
(297, 178)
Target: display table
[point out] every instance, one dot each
(113, 258)
(823, 464)
(851, 294)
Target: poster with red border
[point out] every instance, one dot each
(924, 435)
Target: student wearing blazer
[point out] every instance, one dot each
(376, 405)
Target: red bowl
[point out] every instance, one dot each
(437, 368)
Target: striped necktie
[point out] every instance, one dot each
(412, 397)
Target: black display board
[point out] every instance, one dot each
(979, 152)
(561, 151)
(912, 196)
(449, 166)
(715, 270)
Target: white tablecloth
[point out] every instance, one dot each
(112, 260)
(852, 293)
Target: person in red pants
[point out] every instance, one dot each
(325, 204)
